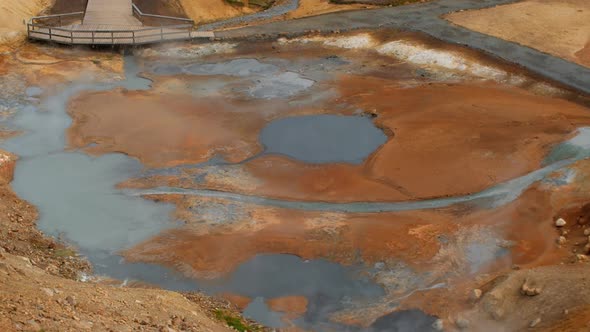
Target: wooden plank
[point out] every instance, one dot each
(110, 12)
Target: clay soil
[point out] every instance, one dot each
(525, 227)
(478, 136)
(558, 27)
(175, 129)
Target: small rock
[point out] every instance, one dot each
(379, 266)
(535, 322)
(84, 325)
(462, 323)
(71, 300)
(561, 240)
(565, 311)
(47, 291)
(438, 325)
(560, 222)
(527, 290)
(33, 326)
(587, 231)
(475, 294)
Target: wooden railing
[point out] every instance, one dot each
(56, 20)
(151, 19)
(110, 37)
(51, 28)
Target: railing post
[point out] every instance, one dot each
(50, 33)
(72, 36)
(112, 38)
(92, 37)
(133, 34)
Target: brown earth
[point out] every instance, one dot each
(12, 15)
(33, 300)
(210, 251)
(203, 11)
(241, 302)
(477, 135)
(318, 7)
(524, 227)
(67, 6)
(558, 27)
(293, 306)
(159, 7)
(173, 129)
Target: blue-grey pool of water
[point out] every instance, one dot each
(259, 311)
(323, 138)
(327, 286)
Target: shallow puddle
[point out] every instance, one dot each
(323, 138)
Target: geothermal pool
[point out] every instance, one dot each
(109, 202)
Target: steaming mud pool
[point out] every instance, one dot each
(333, 188)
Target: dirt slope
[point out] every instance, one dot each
(211, 10)
(558, 27)
(12, 14)
(33, 300)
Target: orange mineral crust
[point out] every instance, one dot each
(293, 306)
(162, 130)
(443, 140)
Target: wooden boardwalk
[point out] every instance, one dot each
(110, 13)
(111, 22)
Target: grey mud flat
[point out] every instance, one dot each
(427, 18)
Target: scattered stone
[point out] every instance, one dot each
(560, 222)
(475, 294)
(462, 323)
(438, 325)
(71, 300)
(587, 231)
(561, 240)
(47, 291)
(582, 258)
(565, 311)
(527, 290)
(535, 322)
(33, 326)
